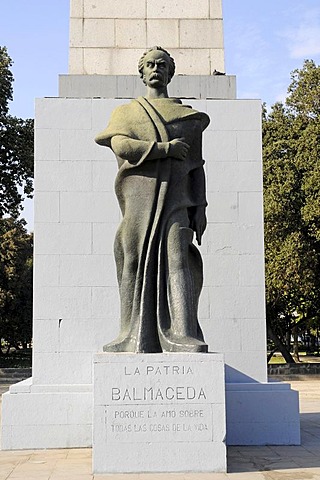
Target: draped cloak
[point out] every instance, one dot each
(159, 269)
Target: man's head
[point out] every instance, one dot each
(156, 67)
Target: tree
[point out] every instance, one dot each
(16, 147)
(291, 148)
(16, 248)
(16, 173)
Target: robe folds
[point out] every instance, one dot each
(159, 269)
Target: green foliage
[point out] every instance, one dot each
(16, 248)
(16, 173)
(291, 147)
(304, 91)
(6, 80)
(16, 147)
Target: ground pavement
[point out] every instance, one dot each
(244, 463)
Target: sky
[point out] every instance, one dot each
(264, 41)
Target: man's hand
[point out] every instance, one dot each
(198, 222)
(178, 148)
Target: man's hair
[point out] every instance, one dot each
(172, 66)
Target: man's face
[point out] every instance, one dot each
(156, 69)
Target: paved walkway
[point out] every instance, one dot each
(244, 463)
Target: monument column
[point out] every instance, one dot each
(76, 302)
(107, 37)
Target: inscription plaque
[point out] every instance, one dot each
(159, 423)
(172, 401)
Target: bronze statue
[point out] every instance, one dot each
(160, 187)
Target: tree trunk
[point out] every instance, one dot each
(295, 345)
(312, 343)
(280, 346)
(288, 340)
(271, 355)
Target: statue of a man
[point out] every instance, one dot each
(160, 187)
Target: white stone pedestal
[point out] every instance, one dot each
(159, 413)
(76, 300)
(262, 414)
(46, 416)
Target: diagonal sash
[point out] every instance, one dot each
(153, 114)
(152, 260)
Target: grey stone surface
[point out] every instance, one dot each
(292, 369)
(11, 375)
(130, 86)
(159, 413)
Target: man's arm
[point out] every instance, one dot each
(198, 219)
(136, 151)
(198, 222)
